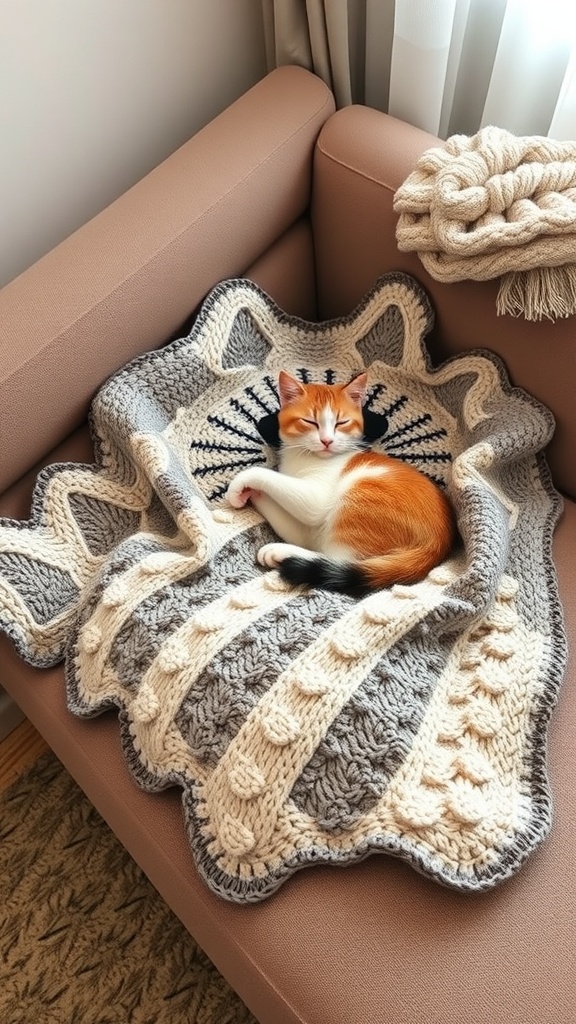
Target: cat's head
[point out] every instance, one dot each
(323, 419)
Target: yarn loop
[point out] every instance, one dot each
(495, 205)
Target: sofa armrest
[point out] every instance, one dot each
(362, 156)
(126, 280)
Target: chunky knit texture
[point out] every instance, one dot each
(497, 205)
(305, 726)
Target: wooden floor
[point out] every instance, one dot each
(19, 750)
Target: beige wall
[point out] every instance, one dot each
(94, 93)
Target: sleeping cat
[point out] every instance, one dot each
(350, 519)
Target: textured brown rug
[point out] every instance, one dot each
(84, 936)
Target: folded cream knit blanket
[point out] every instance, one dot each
(303, 726)
(497, 205)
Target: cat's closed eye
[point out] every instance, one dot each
(314, 423)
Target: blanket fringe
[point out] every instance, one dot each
(545, 292)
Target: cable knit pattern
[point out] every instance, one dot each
(495, 204)
(305, 726)
(486, 200)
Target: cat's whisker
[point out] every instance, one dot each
(300, 448)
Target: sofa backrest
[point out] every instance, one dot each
(125, 281)
(362, 156)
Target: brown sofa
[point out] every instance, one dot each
(282, 190)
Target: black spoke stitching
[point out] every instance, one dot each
(272, 388)
(243, 411)
(202, 471)
(433, 435)
(256, 398)
(395, 407)
(217, 421)
(397, 443)
(209, 446)
(407, 428)
(374, 394)
(219, 492)
(425, 457)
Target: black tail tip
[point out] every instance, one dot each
(324, 574)
(298, 570)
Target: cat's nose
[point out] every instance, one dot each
(326, 441)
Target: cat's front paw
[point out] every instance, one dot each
(240, 499)
(271, 555)
(240, 492)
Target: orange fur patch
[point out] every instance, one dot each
(400, 521)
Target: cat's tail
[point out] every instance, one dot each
(403, 565)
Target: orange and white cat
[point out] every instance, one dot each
(350, 519)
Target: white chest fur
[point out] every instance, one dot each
(322, 477)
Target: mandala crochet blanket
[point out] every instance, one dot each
(304, 726)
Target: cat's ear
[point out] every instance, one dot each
(356, 389)
(289, 388)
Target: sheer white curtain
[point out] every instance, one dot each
(449, 66)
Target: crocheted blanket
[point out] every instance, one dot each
(305, 726)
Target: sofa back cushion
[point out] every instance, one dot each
(125, 281)
(362, 156)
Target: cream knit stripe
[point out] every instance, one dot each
(156, 738)
(60, 536)
(59, 518)
(481, 391)
(243, 798)
(463, 792)
(135, 495)
(96, 679)
(52, 549)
